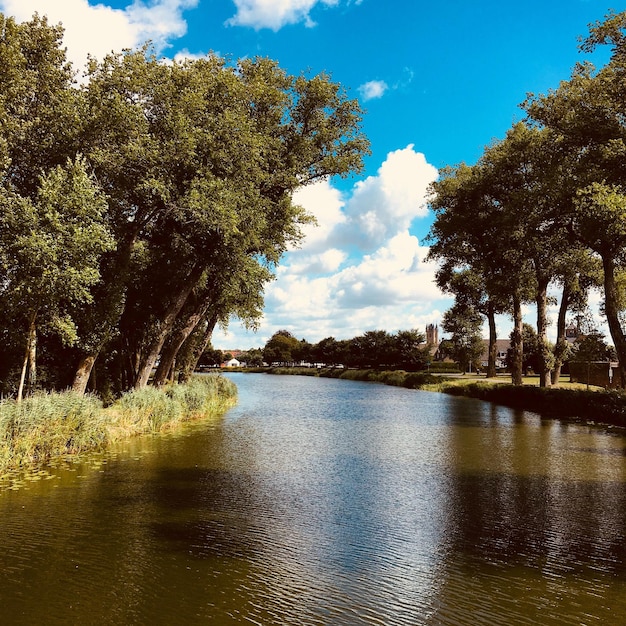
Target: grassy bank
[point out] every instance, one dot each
(49, 426)
(606, 407)
(397, 378)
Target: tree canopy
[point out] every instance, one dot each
(545, 206)
(150, 203)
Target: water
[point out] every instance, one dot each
(318, 501)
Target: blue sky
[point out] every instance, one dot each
(438, 82)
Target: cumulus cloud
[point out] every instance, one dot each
(100, 29)
(383, 205)
(373, 89)
(330, 288)
(325, 204)
(275, 14)
(391, 289)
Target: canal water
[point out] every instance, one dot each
(318, 501)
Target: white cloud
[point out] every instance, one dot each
(275, 14)
(329, 287)
(383, 205)
(100, 29)
(373, 89)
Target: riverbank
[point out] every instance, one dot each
(597, 406)
(51, 426)
(568, 401)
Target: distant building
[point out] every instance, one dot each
(572, 333)
(432, 335)
(432, 339)
(502, 346)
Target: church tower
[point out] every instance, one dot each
(432, 335)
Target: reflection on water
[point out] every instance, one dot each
(328, 502)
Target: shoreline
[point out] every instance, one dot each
(61, 426)
(573, 403)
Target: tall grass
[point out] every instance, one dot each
(47, 426)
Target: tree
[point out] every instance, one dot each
(327, 352)
(372, 349)
(50, 252)
(464, 323)
(201, 160)
(253, 357)
(212, 357)
(475, 229)
(591, 348)
(281, 348)
(408, 351)
(588, 112)
(532, 356)
(469, 288)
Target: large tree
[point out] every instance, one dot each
(588, 112)
(473, 229)
(200, 159)
(50, 250)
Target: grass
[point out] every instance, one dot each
(48, 426)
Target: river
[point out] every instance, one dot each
(318, 501)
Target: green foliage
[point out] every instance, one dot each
(463, 323)
(196, 163)
(591, 347)
(281, 348)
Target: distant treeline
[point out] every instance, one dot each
(405, 349)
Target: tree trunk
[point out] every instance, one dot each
(545, 354)
(560, 348)
(107, 316)
(29, 358)
(493, 346)
(165, 327)
(168, 356)
(32, 356)
(83, 372)
(517, 343)
(611, 310)
(197, 350)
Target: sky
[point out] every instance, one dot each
(437, 81)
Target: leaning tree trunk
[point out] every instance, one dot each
(166, 325)
(493, 346)
(82, 374)
(560, 349)
(111, 300)
(517, 343)
(168, 355)
(197, 349)
(545, 353)
(30, 359)
(611, 310)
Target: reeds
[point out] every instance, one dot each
(51, 425)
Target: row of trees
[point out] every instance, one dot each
(405, 350)
(147, 203)
(545, 207)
